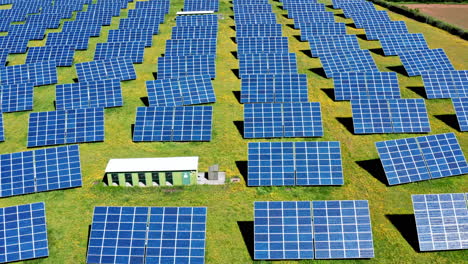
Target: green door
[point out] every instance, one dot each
(186, 178)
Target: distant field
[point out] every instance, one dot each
(453, 14)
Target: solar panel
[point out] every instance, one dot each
(262, 45)
(445, 83)
(90, 28)
(77, 39)
(195, 32)
(186, 47)
(421, 158)
(252, 9)
(265, 18)
(282, 120)
(342, 229)
(50, 20)
(24, 232)
(461, 109)
(5, 24)
(197, 5)
(183, 91)
(163, 5)
(441, 221)
(16, 97)
(30, 32)
(66, 127)
(101, 93)
(322, 29)
(364, 18)
(146, 24)
(65, 11)
(347, 61)
(103, 17)
(397, 43)
(147, 235)
(41, 73)
(325, 44)
(418, 61)
(312, 17)
(264, 63)
(259, 30)
(116, 68)
(3, 57)
(126, 35)
(182, 66)
(375, 31)
(112, 8)
(197, 20)
(166, 123)
(249, 2)
(307, 7)
(158, 13)
(390, 116)
(2, 133)
(351, 8)
(362, 85)
(61, 55)
(133, 50)
(14, 43)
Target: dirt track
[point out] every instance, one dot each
(453, 14)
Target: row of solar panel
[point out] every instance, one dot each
(201, 5)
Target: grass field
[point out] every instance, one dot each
(230, 207)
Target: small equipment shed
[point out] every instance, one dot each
(152, 171)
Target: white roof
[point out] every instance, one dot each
(153, 164)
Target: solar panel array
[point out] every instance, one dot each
(187, 47)
(461, 109)
(322, 29)
(312, 230)
(445, 83)
(294, 163)
(325, 44)
(147, 235)
(336, 62)
(274, 88)
(421, 158)
(116, 68)
(363, 85)
(134, 50)
(66, 126)
(24, 232)
(61, 55)
(372, 116)
(41, 73)
(2, 132)
(201, 5)
(374, 31)
(419, 61)
(16, 97)
(398, 43)
(40, 170)
(441, 221)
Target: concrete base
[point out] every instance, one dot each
(202, 178)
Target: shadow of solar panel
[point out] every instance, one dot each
(116, 68)
(262, 45)
(342, 229)
(421, 158)
(324, 44)
(262, 63)
(441, 221)
(204, 5)
(294, 8)
(197, 20)
(125, 35)
(252, 9)
(145, 24)
(2, 133)
(195, 32)
(321, 29)
(183, 66)
(90, 28)
(364, 18)
(183, 91)
(461, 109)
(262, 18)
(16, 97)
(375, 31)
(30, 32)
(445, 83)
(152, 231)
(102, 17)
(187, 123)
(66, 126)
(347, 61)
(61, 55)
(362, 85)
(134, 50)
(14, 43)
(24, 232)
(418, 61)
(313, 17)
(186, 47)
(395, 44)
(259, 30)
(101, 93)
(77, 39)
(41, 73)
(40, 170)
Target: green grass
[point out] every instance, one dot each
(69, 212)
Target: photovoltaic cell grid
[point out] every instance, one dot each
(322, 29)
(294, 163)
(419, 61)
(24, 232)
(262, 45)
(27, 31)
(355, 7)
(183, 91)
(50, 20)
(146, 24)
(259, 30)
(445, 83)
(421, 158)
(197, 20)
(308, 230)
(101, 93)
(347, 61)
(195, 32)
(252, 9)
(102, 17)
(282, 120)
(264, 63)
(461, 109)
(364, 18)
(77, 39)
(14, 44)
(41, 73)
(325, 44)
(305, 7)
(186, 123)
(92, 29)
(262, 18)
(40, 170)
(362, 85)
(274, 88)
(394, 44)
(390, 116)
(201, 5)
(61, 55)
(117, 68)
(66, 126)
(16, 97)
(313, 17)
(148, 235)
(154, 13)
(134, 50)
(441, 221)
(182, 66)
(126, 35)
(374, 31)
(187, 47)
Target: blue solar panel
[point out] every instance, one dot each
(103, 17)
(274, 88)
(282, 120)
(5, 24)
(77, 39)
(61, 55)
(441, 221)
(419, 61)
(183, 91)
(253, 9)
(92, 29)
(322, 29)
(259, 30)
(65, 11)
(101, 93)
(2, 132)
(264, 63)
(313, 17)
(27, 31)
(325, 44)
(375, 31)
(126, 35)
(162, 5)
(185, 123)
(50, 20)
(294, 8)
(397, 43)
(347, 61)
(112, 7)
(154, 13)
(362, 85)
(461, 109)
(195, 32)
(201, 5)
(117, 68)
(41, 73)
(197, 20)
(134, 50)
(364, 18)
(3, 57)
(445, 83)
(182, 66)
(16, 97)
(146, 23)
(421, 158)
(262, 45)
(147, 235)
(262, 18)
(66, 126)
(14, 43)
(356, 7)
(24, 232)
(186, 47)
